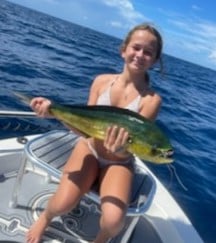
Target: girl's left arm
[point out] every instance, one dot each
(151, 106)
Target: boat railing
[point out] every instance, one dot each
(47, 155)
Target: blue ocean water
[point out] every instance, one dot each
(46, 56)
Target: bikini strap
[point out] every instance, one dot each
(113, 80)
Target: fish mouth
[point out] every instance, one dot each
(162, 156)
(167, 155)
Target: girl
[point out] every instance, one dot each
(107, 160)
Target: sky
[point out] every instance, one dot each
(188, 27)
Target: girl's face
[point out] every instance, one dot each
(140, 53)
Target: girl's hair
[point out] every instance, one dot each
(151, 29)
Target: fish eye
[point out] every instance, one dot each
(130, 140)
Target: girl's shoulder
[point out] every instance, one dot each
(152, 96)
(103, 80)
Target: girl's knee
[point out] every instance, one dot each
(113, 222)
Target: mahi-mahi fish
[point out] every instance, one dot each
(146, 140)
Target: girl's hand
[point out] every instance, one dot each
(116, 140)
(41, 106)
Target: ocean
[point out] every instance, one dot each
(45, 56)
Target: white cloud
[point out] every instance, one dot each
(117, 24)
(190, 36)
(199, 35)
(126, 10)
(207, 29)
(51, 1)
(196, 8)
(212, 56)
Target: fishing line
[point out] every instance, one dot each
(173, 171)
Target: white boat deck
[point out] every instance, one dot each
(162, 220)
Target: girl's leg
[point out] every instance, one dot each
(115, 193)
(78, 175)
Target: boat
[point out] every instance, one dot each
(30, 170)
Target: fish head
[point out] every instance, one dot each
(161, 154)
(153, 153)
(154, 147)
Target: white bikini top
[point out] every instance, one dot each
(104, 99)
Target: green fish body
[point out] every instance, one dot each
(146, 140)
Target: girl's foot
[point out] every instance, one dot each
(36, 231)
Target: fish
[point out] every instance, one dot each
(146, 139)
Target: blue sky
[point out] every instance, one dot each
(188, 27)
